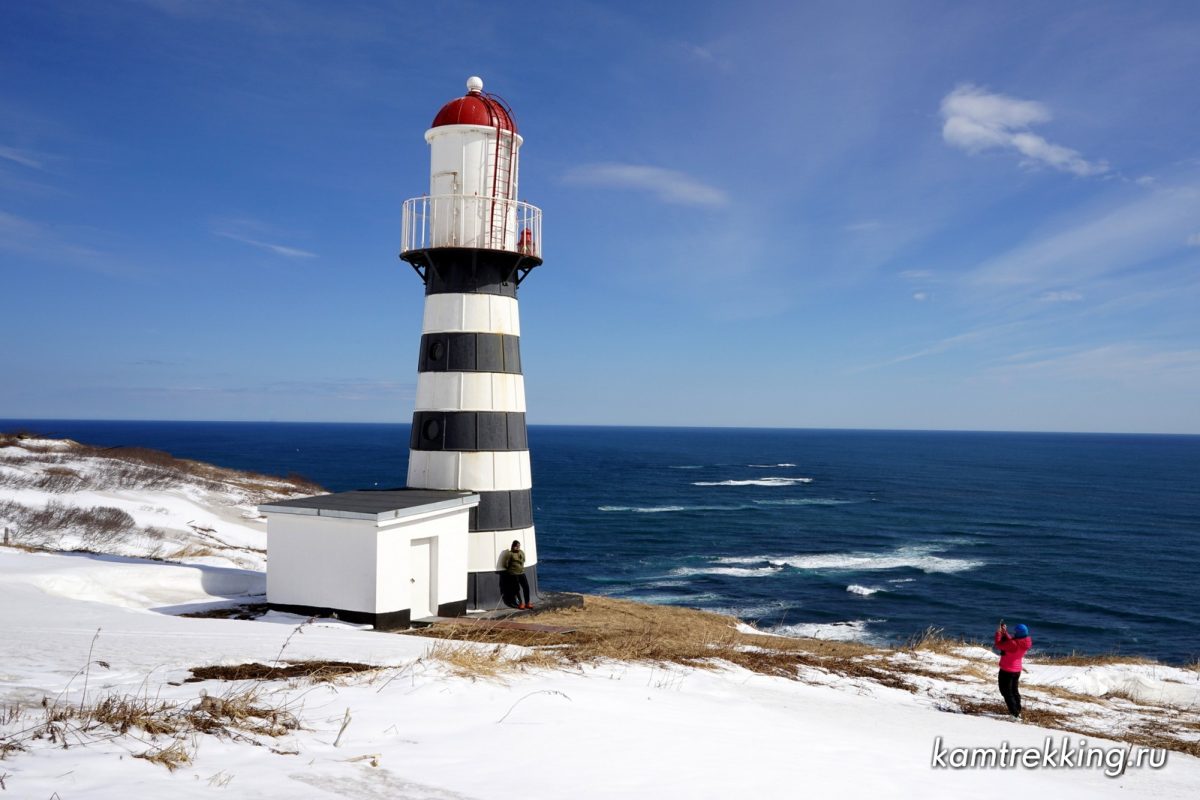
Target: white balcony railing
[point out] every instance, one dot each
(488, 223)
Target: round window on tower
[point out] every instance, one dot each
(436, 350)
(431, 429)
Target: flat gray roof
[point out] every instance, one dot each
(378, 505)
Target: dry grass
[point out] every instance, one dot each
(935, 640)
(1074, 659)
(604, 628)
(241, 715)
(172, 757)
(314, 671)
(469, 660)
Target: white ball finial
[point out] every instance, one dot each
(474, 84)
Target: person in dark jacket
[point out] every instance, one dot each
(514, 571)
(1012, 649)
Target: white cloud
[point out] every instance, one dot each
(1123, 361)
(920, 297)
(22, 157)
(278, 249)
(1061, 297)
(1103, 240)
(670, 186)
(978, 120)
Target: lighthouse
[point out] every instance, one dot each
(473, 243)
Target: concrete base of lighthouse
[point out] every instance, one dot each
(485, 589)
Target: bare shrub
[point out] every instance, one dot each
(59, 479)
(316, 671)
(172, 757)
(1074, 659)
(935, 640)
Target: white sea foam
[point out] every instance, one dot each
(687, 466)
(913, 556)
(769, 466)
(861, 562)
(756, 482)
(644, 510)
(865, 591)
(668, 509)
(804, 501)
(736, 572)
(755, 504)
(849, 631)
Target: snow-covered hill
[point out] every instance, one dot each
(57, 494)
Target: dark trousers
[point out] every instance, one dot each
(511, 587)
(522, 586)
(1011, 691)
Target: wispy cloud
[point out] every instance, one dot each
(1098, 242)
(668, 185)
(917, 274)
(941, 346)
(1061, 297)
(25, 158)
(921, 297)
(257, 234)
(278, 249)
(978, 120)
(1122, 361)
(42, 242)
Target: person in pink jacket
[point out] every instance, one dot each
(1012, 650)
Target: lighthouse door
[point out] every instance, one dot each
(421, 564)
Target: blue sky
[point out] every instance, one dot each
(867, 215)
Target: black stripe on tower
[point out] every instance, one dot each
(503, 511)
(470, 352)
(469, 431)
(468, 270)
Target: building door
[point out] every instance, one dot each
(421, 564)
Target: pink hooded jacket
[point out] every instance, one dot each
(1012, 651)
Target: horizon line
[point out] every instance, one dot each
(21, 420)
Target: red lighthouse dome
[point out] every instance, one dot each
(476, 108)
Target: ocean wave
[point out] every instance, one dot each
(753, 505)
(850, 631)
(645, 509)
(805, 501)
(769, 466)
(865, 591)
(920, 557)
(669, 509)
(756, 482)
(753, 612)
(686, 466)
(736, 572)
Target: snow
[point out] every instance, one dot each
(612, 729)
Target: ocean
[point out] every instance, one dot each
(1093, 540)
